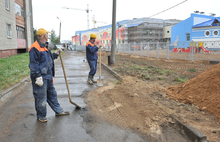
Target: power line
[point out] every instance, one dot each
(169, 8)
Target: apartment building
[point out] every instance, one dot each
(16, 27)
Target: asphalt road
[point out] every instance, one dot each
(18, 122)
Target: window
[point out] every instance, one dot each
(122, 33)
(19, 10)
(103, 36)
(187, 37)
(207, 33)
(107, 35)
(215, 32)
(100, 36)
(119, 41)
(110, 35)
(119, 34)
(106, 41)
(20, 32)
(103, 42)
(8, 30)
(7, 4)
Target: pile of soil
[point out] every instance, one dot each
(202, 91)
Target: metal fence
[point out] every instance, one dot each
(177, 50)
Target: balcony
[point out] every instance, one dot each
(21, 43)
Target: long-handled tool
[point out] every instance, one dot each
(100, 81)
(67, 86)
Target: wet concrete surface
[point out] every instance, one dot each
(18, 122)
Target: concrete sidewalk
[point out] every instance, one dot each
(18, 116)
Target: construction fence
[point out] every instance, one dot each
(177, 50)
(182, 50)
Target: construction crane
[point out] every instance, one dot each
(87, 11)
(94, 21)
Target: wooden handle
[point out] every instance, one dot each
(100, 63)
(67, 86)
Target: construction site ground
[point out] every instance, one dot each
(139, 102)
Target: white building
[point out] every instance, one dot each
(16, 27)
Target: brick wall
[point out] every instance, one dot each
(7, 53)
(19, 21)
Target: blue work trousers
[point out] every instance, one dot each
(93, 66)
(45, 94)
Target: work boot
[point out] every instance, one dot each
(90, 80)
(63, 113)
(42, 119)
(93, 80)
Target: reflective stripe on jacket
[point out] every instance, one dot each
(91, 51)
(41, 60)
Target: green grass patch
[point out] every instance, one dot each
(13, 70)
(161, 78)
(181, 79)
(117, 82)
(191, 70)
(168, 72)
(117, 70)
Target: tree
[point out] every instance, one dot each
(35, 34)
(53, 37)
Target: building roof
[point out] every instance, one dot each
(134, 25)
(90, 30)
(209, 23)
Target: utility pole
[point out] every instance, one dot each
(60, 30)
(118, 36)
(112, 60)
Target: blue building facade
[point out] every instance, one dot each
(183, 30)
(198, 28)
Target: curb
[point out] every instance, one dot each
(12, 90)
(112, 72)
(191, 132)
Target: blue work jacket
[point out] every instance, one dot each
(41, 60)
(91, 51)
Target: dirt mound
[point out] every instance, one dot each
(202, 91)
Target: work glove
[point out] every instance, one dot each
(99, 46)
(58, 51)
(39, 81)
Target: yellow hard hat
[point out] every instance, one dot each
(41, 32)
(93, 36)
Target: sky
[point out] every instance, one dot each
(45, 12)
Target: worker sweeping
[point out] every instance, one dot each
(42, 72)
(92, 56)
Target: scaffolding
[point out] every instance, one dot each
(144, 30)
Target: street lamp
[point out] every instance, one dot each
(60, 30)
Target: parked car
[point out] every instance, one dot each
(60, 46)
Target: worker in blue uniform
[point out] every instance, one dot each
(42, 72)
(92, 56)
